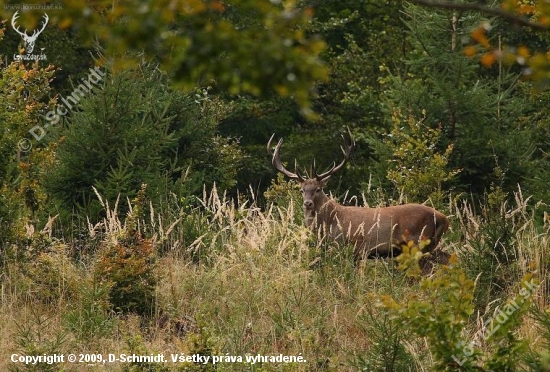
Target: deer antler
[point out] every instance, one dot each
(43, 25)
(278, 164)
(346, 149)
(16, 28)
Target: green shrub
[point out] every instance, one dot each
(492, 238)
(416, 167)
(34, 337)
(387, 352)
(441, 312)
(90, 318)
(285, 194)
(136, 346)
(22, 158)
(136, 130)
(127, 267)
(44, 270)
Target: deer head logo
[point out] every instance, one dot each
(29, 39)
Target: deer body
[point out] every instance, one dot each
(374, 232)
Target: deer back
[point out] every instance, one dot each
(376, 231)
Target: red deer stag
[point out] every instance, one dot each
(375, 232)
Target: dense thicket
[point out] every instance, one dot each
(137, 130)
(382, 61)
(125, 227)
(479, 111)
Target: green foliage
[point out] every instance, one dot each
(91, 319)
(351, 96)
(388, 352)
(540, 360)
(495, 250)
(137, 130)
(136, 346)
(249, 279)
(203, 342)
(442, 309)
(253, 121)
(33, 338)
(244, 46)
(439, 312)
(355, 33)
(51, 274)
(477, 111)
(25, 90)
(350, 93)
(537, 126)
(266, 285)
(416, 168)
(61, 48)
(41, 267)
(282, 192)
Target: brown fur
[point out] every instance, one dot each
(373, 231)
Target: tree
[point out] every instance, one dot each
(360, 37)
(137, 130)
(25, 96)
(244, 46)
(416, 168)
(526, 16)
(478, 112)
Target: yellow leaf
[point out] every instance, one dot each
(453, 260)
(469, 51)
(281, 90)
(65, 23)
(526, 9)
(523, 51)
(488, 59)
(479, 36)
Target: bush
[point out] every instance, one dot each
(493, 238)
(416, 168)
(441, 313)
(34, 338)
(138, 130)
(24, 89)
(42, 268)
(126, 263)
(90, 318)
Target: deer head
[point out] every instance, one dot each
(312, 188)
(29, 39)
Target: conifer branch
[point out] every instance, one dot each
(511, 17)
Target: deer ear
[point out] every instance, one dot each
(324, 181)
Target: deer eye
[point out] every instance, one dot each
(318, 189)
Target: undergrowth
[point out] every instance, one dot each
(219, 278)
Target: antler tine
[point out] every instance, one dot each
(326, 174)
(347, 152)
(277, 163)
(44, 23)
(269, 145)
(13, 19)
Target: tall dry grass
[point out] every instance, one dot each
(238, 280)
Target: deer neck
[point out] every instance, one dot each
(315, 217)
